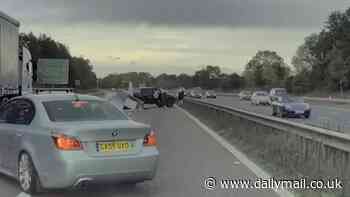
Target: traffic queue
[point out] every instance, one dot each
(283, 105)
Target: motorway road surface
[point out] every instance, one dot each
(188, 156)
(324, 114)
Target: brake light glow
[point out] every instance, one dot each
(80, 104)
(150, 139)
(67, 143)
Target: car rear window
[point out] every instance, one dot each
(89, 110)
(261, 94)
(281, 91)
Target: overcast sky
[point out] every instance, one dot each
(173, 36)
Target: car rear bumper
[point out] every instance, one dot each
(74, 168)
(262, 101)
(149, 100)
(295, 114)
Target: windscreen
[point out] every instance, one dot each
(68, 111)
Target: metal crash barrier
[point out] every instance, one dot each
(283, 147)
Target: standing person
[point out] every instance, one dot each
(156, 94)
(163, 98)
(157, 97)
(181, 96)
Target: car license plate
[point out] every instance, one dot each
(115, 146)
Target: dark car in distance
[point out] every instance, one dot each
(148, 95)
(152, 95)
(286, 106)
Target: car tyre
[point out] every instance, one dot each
(4, 100)
(27, 175)
(307, 115)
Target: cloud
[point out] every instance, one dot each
(173, 36)
(231, 13)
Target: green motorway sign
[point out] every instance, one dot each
(53, 71)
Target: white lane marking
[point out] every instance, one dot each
(260, 173)
(236, 163)
(22, 194)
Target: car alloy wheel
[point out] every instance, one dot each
(26, 174)
(4, 100)
(307, 115)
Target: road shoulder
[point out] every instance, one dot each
(259, 172)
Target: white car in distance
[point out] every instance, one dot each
(260, 98)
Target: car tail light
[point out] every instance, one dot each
(150, 139)
(67, 143)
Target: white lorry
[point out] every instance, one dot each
(15, 62)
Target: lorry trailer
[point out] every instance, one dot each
(15, 61)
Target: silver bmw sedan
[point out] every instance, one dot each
(55, 141)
